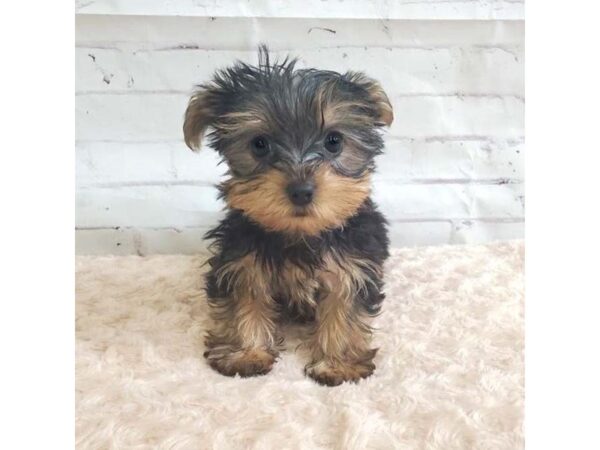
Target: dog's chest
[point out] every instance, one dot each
(297, 289)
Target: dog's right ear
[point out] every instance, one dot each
(199, 115)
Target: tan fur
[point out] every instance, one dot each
(298, 286)
(340, 342)
(240, 121)
(386, 113)
(343, 113)
(245, 338)
(246, 363)
(334, 112)
(378, 95)
(198, 117)
(245, 332)
(334, 373)
(264, 199)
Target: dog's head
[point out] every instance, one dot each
(299, 143)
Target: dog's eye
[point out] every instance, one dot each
(260, 146)
(333, 142)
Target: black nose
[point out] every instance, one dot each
(300, 192)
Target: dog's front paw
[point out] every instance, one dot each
(245, 362)
(334, 373)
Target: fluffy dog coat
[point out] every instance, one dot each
(302, 239)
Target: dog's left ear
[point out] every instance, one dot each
(199, 116)
(377, 94)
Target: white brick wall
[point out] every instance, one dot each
(453, 169)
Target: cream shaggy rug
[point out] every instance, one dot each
(449, 373)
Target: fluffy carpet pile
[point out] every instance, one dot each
(449, 372)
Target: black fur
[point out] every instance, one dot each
(364, 236)
(273, 125)
(286, 95)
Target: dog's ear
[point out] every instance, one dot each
(199, 115)
(378, 96)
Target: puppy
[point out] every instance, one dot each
(301, 239)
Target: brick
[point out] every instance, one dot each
(156, 117)
(169, 162)
(467, 70)
(287, 33)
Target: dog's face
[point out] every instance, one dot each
(299, 144)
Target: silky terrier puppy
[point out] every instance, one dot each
(302, 239)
